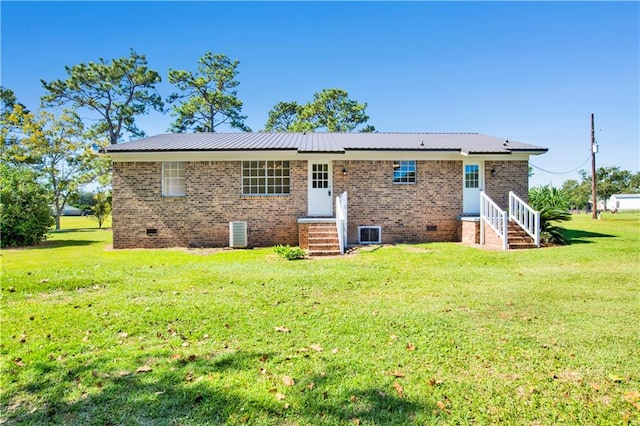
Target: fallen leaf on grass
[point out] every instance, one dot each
(633, 398)
(395, 373)
(123, 335)
(398, 389)
(334, 351)
(316, 347)
(263, 358)
(144, 369)
(311, 385)
(124, 373)
(18, 362)
(435, 382)
(411, 347)
(288, 381)
(44, 280)
(280, 396)
(282, 329)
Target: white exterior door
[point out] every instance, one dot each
(320, 189)
(471, 186)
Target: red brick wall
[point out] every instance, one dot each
(425, 211)
(509, 176)
(201, 218)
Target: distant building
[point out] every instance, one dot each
(68, 211)
(622, 202)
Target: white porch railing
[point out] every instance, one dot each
(495, 217)
(341, 220)
(525, 216)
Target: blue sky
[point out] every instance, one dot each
(529, 71)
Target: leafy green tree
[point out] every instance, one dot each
(578, 193)
(13, 119)
(612, 180)
(331, 110)
(368, 129)
(117, 91)
(283, 117)
(101, 208)
(208, 97)
(25, 217)
(553, 205)
(65, 160)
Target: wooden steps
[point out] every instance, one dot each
(323, 240)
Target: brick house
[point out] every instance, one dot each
(185, 189)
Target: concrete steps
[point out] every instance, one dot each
(323, 240)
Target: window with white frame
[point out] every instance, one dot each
(404, 171)
(369, 235)
(266, 178)
(472, 176)
(173, 179)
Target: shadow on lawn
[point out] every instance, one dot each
(63, 243)
(577, 236)
(198, 393)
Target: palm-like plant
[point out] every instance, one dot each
(553, 205)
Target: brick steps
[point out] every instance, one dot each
(323, 240)
(518, 238)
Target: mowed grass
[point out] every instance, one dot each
(425, 334)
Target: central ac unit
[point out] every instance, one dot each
(238, 234)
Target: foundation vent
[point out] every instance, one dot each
(237, 234)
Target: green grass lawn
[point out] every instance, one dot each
(427, 334)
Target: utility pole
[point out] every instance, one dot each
(594, 192)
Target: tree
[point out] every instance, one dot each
(578, 193)
(13, 118)
(208, 96)
(331, 110)
(553, 206)
(282, 117)
(117, 91)
(613, 180)
(65, 159)
(25, 217)
(101, 208)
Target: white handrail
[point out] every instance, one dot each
(493, 215)
(341, 220)
(522, 214)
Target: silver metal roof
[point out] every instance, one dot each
(310, 142)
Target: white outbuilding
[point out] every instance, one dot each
(621, 202)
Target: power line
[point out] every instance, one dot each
(561, 173)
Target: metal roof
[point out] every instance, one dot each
(310, 142)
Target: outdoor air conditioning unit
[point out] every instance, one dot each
(237, 234)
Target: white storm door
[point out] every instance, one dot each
(320, 189)
(471, 187)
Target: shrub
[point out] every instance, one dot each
(25, 216)
(291, 253)
(553, 205)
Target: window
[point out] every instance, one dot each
(173, 180)
(404, 172)
(472, 176)
(265, 177)
(369, 235)
(320, 176)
